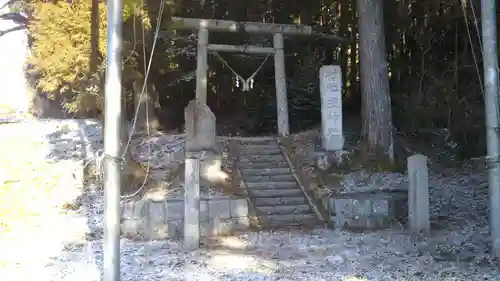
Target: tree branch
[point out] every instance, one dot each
(9, 3)
(15, 17)
(15, 28)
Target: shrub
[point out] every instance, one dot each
(61, 53)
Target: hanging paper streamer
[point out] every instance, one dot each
(246, 84)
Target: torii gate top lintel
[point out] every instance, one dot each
(250, 27)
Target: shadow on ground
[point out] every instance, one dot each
(80, 140)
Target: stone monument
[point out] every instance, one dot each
(201, 137)
(332, 138)
(330, 77)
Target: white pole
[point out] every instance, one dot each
(113, 117)
(489, 31)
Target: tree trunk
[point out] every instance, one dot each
(353, 77)
(376, 100)
(94, 36)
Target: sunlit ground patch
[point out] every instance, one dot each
(27, 185)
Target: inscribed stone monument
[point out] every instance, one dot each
(330, 77)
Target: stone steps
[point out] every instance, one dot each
(261, 165)
(269, 178)
(260, 150)
(267, 193)
(261, 157)
(271, 185)
(266, 171)
(289, 221)
(284, 210)
(278, 201)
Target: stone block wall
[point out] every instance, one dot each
(153, 220)
(368, 210)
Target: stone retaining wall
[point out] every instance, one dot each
(153, 220)
(368, 210)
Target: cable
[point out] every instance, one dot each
(134, 44)
(143, 90)
(147, 68)
(141, 96)
(150, 149)
(476, 64)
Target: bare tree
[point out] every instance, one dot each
(376, 100)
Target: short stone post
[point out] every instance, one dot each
(418, 194)
(192, 202)
(330, 77)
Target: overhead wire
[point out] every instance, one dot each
(471, 43)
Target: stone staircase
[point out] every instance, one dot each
(276, 199)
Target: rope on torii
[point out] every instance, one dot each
(247, 84)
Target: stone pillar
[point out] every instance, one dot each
(192, 202)
(201, 136)
(332, 138)
(418, 194)
(280, 78)
(202, 65)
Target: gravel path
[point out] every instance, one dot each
(67, 245)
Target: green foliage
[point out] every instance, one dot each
(17, 7)
(61, 52)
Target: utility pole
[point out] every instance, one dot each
(490, 58)
(112, 143)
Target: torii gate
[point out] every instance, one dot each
(204, 26)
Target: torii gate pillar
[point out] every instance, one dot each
(202, 64)
(280, 78)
